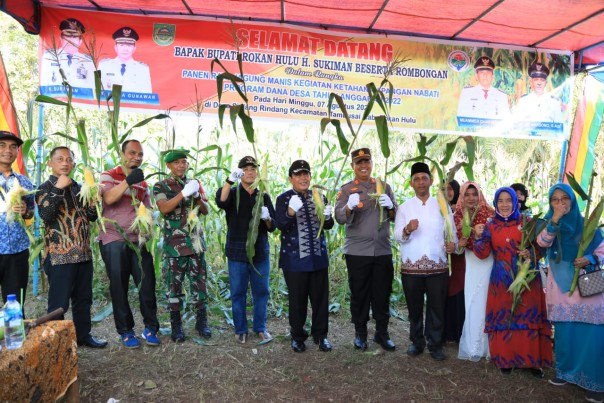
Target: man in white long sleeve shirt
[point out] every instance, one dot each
(419, 229)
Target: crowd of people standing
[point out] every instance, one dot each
(463, 299)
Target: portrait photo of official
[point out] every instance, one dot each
(483, 100)
(123, 69)
(77, 67)
(539, 105)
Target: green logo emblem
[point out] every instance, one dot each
(163, 34)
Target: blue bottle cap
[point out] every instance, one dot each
(11, 297)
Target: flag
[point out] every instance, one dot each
(8, 115)
(585, 130)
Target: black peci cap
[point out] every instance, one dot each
(298, 166)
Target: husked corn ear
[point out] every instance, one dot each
(88, 177)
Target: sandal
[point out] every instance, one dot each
(265, 336)
(241, 338)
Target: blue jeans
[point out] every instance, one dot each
(240, 274)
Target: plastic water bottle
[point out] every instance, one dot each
(1, 328)
(13, 323)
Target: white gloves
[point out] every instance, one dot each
(264, 214)
(328, 210)
(295, 203)
(386, 202)
(353, 201)
(236, 174)
(190, 188)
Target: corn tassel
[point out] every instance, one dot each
(590, 226)
(143, 224)
(317, 199)
(445, 211)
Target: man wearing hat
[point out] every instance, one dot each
(303, 257)
(132, 75)
(367, 249)
(538, 105)
(238, 204)
(14, 248)
(123, 190)
(482, 100)
(77, 67)
(419, 229)
(184, 245)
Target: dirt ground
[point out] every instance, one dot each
(222, 370)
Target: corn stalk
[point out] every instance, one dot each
(445, 211)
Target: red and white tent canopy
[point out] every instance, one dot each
(548, 24)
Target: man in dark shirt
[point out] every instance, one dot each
(241, 270)
(68, 257)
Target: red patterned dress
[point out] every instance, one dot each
(523, 342)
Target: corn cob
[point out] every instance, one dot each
(143, 224)
(466, 224)
(90, 195)
(379, 190)
(194, 226)
(443, 205)
(317, 199)
(590, 226)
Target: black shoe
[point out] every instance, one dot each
(414, 351)
(506, 371)
(91, 342)
(324, 345)
(298, 346)
(360, 342)
(383, 339)
(537, 373)
(438, 354)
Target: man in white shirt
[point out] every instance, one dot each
(482, 100)
(132, 75)
(419, 229)
(539, 105)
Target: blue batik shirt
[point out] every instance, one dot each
(13, 236)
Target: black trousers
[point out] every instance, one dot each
(121, 263)
(14, 275)
(435, 289)
(71, 281)
(300, 287)
(370, 281)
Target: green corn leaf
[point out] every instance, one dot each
(98, 87)
(449, 149)
(248, 125)
(252, 232)
(48, 100)
(344, 144)
(381, 125)
(233, 113)
(221, 109)
(371, 90)
(65, 136)
(576, 186)
(342, 106)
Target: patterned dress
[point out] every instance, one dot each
(524, 341)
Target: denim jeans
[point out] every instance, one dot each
(240, 275)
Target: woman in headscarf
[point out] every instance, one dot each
(454, 304)
(579, 321)
(522, 340)
(474, 342)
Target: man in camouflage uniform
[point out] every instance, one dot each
(184, 246)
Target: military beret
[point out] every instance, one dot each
(173, 155)
(71, 26)
(484, 63)
(125, 35)
(538, 70)
(4, 135)
(247, 160)
(299, 166)
(360, 154)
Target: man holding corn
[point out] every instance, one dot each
(301, 215)
(67, 252)
(418, 228)
(238, 203)
(367, 248)
(123, 189)
(178, 198)
(14, 248)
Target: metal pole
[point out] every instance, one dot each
(38, 181)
